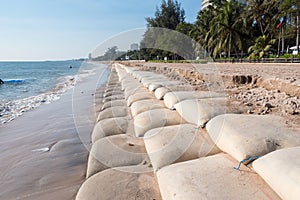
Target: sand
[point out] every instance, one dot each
(44, 152)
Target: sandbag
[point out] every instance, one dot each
(108, 127)
(281, 170)
(113, 104)
(120, 183)
(112, 93)
(115, 151)
(200, 111)
(212, 177)
(112, 112)
(114, 97)
(132, 90)
(156, 118)
(147, 82)
(162, 91)
(153, 86)
(171, 98)
(138, 96)
(177, 143)
(244, 136)
(145, 105)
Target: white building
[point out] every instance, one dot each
(205, 3)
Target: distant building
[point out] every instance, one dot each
(90, 56)
(134, 47)
(205, 3)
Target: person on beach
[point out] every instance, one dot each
(1, 82)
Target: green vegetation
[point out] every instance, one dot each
(228, 28)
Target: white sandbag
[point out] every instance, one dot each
(112, 93)
(147, 82)
(162, 91)
(121, 183)
(141, 74)
(145, 105)
(134, 89)
(281, 170)
(212, 177)
(108, 127)
(151, 119)
(113, 104)
(153, 77)
(112, 98)
(112, 112)
(153, 86)
(200, 111)
(115, 151)
(171, 98)
(138, 96)
(244, 136)
(177, 143)
(129, 82)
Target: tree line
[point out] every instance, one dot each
(228, 28)
(224, 29)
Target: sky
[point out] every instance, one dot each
(69, 29)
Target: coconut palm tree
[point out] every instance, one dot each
(227, 29)
(261, 47)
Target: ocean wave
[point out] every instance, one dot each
(13, 109)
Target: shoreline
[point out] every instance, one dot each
(44, 152)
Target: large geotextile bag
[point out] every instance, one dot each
(151, 119)
(115, 151)
(145, 105)
(114, 97)
(212, 177)
(153, 86)
(177, 143)
(134, 89)
(113, 104)
(108, 127)
(112, 112)
(200, 111)
(245, 136)
(281, 170)
(162, 91)
(138, 96)
(171, 98)
(120, 183)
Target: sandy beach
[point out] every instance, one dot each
(43, 153)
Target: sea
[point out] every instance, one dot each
(27, 85)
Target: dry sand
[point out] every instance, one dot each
(43, 153)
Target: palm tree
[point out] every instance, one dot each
(261, 47)
(227, 29)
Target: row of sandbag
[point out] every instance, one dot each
(170, 139)
(116, 154)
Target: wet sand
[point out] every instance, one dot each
(44, 152)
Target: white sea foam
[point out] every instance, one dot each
(13, 109)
